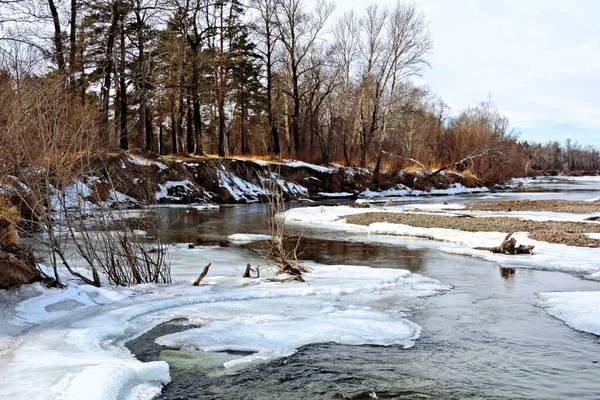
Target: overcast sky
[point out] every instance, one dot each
(538, 59)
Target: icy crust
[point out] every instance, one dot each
(579, 310)
(548, 256)
(76, 348)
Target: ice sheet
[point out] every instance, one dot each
(579, 310)
(76, 348)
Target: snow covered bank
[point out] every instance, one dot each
(74, 347)
(579, 310)
(579, 260)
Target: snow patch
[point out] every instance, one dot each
(145, 162)
(247, 238)
(302, 164)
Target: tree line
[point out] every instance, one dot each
(257, 77)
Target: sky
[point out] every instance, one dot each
(539, 60)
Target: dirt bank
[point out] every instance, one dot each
(17, 267)
(569, 233)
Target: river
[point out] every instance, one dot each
(486, 338)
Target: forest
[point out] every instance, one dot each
(260, 78)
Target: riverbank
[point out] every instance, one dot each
(134, 180)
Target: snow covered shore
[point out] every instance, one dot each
(578, 260)
(73, 346)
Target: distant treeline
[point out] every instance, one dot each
(259, 77)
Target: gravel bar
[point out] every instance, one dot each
(569, 233)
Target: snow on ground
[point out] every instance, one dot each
(547, 256)
(579, 310)
(237, 187)
(336, 194)
(145, 162)
(401, 191)
(242, 238)
(163, 189)
(74, 344)
(302, 164)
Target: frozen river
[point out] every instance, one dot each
(423, 324)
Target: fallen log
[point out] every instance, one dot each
(202, 275)
(509, 247)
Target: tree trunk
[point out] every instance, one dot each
(245, 149)
(173, 128)
(107, 69)
(144, 134)
(59, 54)
(189, 127)
(73, 45)
(160, 140)
(196, 103)
(296, 115)
(180, 106)
(223, 136)
(123, 137)
(273, 128)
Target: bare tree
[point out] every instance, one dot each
(299, 31)
(266, 29)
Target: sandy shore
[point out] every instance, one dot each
(569, 233)
(563, 206)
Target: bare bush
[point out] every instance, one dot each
(50, 163)
(275, 251)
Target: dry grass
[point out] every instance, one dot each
(9, 219)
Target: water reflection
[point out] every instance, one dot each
(507, 273)
(377, 256)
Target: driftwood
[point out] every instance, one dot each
(509, 247)
(201, 276)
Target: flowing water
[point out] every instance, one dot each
(486, 338)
